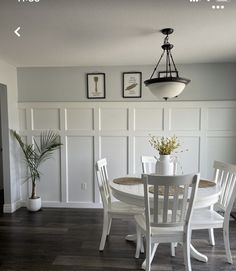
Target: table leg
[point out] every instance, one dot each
(197, 255)
(154, 248)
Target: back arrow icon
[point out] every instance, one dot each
(16, 31)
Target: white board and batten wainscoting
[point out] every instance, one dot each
(119, 131)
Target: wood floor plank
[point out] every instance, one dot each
(94, 261)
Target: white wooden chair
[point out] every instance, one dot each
(225, 175)
(148, 164)
(111, 209)
(167, 214)
(148, 167)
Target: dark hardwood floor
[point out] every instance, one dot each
(68, 240)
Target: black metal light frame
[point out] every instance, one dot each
(171, 73)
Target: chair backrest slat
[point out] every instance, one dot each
(102, 178)
(225, 184)
(147, 207)
(175, 203)
(227, 192)
(166, 202)
(221, 177)
(156, 203)
(225, 176)
(184, 202)
(171, 199)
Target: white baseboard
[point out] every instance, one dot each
(71, 204)
(12, 207)
(57, 204)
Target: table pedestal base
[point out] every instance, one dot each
(194, 253)
(131, 237)
(197, 255)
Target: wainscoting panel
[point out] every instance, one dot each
(120, 131)
(79, 119)
(45, 118)
(80, 169)
(184, 119)
(225, 120)
(155, 117)
(49, 186)
(188, 154)
(220, 148)
(114, 119)
(115, 149)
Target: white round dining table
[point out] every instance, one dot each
(134, 194)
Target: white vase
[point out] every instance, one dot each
(165, 165)
(34, 205)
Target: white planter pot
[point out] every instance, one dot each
(34, 205)
(165, 165)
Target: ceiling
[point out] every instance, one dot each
(115, 32)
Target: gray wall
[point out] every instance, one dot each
(5, 159)
(9, 107)
(65, 84)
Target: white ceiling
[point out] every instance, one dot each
(115, 32)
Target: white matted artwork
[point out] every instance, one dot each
(96, 87)
(132, 85)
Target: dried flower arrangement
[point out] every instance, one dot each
(164, 145)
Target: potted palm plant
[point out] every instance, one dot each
(34, 155)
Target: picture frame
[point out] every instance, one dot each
(132, 85)
(96, 86)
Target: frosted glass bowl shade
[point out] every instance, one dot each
(164, 89)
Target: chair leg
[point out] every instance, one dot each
(138, 243)
(104, 231)
(173, 246)
(227, 244)
(142, 246)
(154, 248)
(211, 237)
(109, 226)
(148, 253)
(186, 250)
(153, 251)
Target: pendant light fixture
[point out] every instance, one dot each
(167, 84)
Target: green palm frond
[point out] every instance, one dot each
(49, 142)
(37, 153)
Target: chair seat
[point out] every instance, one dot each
(206, 219)
(118, 207)
(159, 231)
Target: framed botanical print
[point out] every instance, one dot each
(96, 86)
(132, 84)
